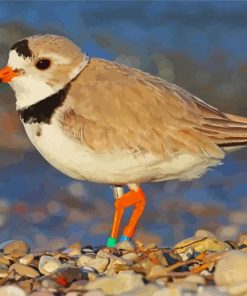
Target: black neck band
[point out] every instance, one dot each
(42, 111)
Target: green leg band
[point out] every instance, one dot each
(111, 242)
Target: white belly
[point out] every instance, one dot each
(77, 161)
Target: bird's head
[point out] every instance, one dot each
(39, 66)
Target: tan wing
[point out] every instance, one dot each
(114, 108)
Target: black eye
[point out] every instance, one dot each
(43, 64)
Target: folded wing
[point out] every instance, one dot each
(117, 108)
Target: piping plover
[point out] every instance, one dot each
(97, 120)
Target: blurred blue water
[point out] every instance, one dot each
(198, 29)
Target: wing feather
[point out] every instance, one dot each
(114, 108)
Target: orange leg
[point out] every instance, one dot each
(134, 198)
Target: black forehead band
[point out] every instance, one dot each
(22, 48)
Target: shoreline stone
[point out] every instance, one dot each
(201, 265)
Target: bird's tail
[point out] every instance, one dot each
(238, 132)
(229, 132)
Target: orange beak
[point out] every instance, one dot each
(7, 74)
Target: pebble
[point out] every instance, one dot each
(172, 291)
(3, 270)
(185, 286)
(145, 265)
(93, 293)
(147, 290)
(117, 284)
(27, 259)
(157, 271)
(26, 285)
(242, 240)
(17, 248)
(196, 279)
(102, 254)
(87, 249)
(15, 254)
(24, 270)
(42, 293)
(115, 262)
(49, 284)
(231, 269)
(201, 246)
(100, 264)
(88, 269)
(205, 273)
(74, 293)
(48, 264)
(151, 246)
(12, 290)
(129, 269)
(74, 250)
(78, 284)
(66, 275)
(126, 246)
(239, 289)
(5, 243)
(131, 256)
(200, 233)
(92, 276)
(36, 286)
(4, 261)
(211, 291)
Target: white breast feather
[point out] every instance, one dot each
(78, 161)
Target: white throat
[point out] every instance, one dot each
(29, 90)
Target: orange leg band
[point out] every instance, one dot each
(131, 198)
